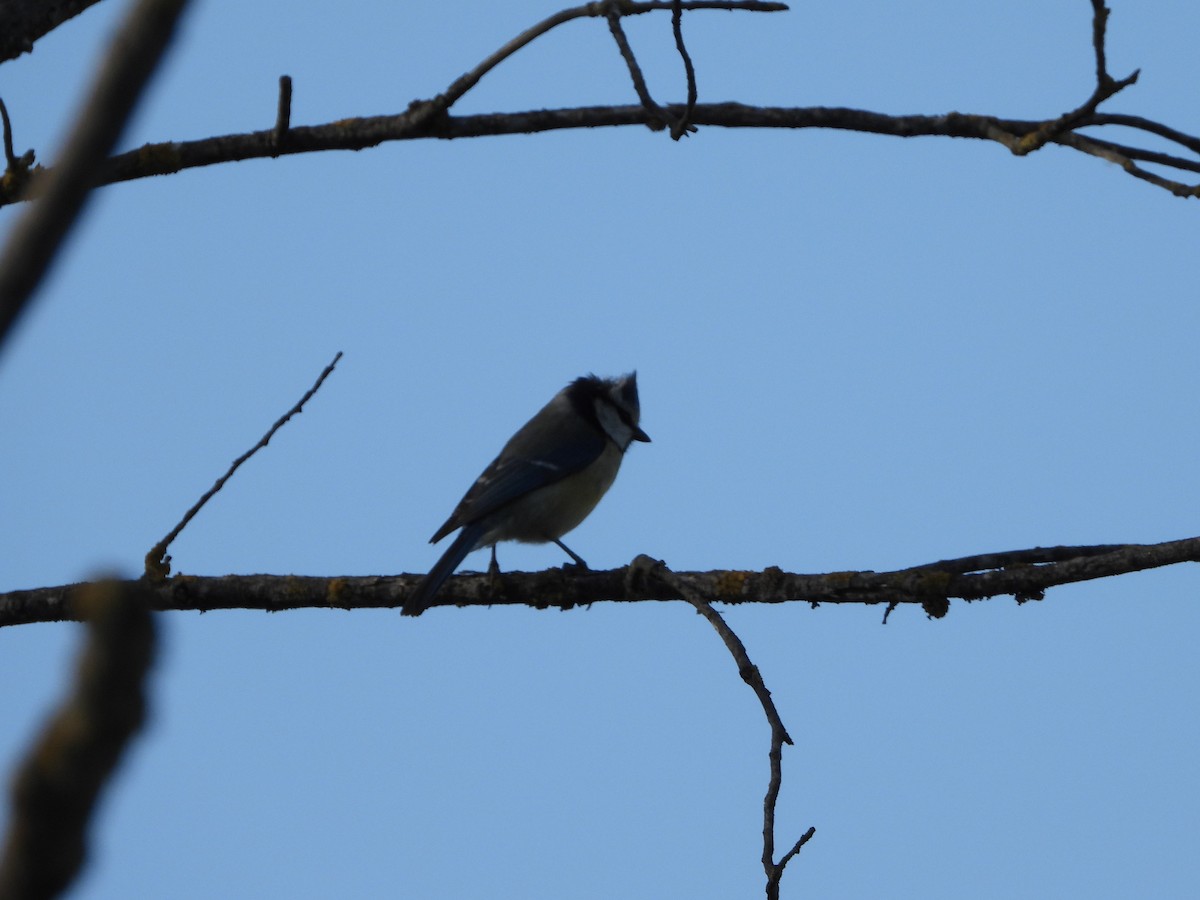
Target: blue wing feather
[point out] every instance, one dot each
(510, 477)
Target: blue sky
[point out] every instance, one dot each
(854, 352)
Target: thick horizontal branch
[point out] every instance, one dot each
(1023, 574)
(359, 134)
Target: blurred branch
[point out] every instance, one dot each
(431, 119)
(158, 564)
(751, 675)
(56, 786)
(1023, 574)
(24, 21)
(34, 241)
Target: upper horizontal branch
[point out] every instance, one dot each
(361, 133)
(1023, 574)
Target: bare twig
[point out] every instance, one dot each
(428, 109)
(1125, 156)
(683, 126)
(58, 783)
(1099, 30)
(656, 117)
(158, 564)
(283, 115)
(133, 55)
(779, 734)
(10, 158)
(1106, 87)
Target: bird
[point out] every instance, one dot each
(547, 479)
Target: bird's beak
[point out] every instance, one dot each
(639, 435)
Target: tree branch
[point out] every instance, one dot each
(24, 21)
(57, 785)
(358, 134)
(158, 564)
(779, 735)
(132, 57)
(430, 118)
(1019, 573)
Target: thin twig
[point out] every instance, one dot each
(132, 58)
(657, 117)
(1143, 124)
(1106, 87)
(283, 114)
(1113, 153)
(589, 10)
(1099, 28)
(10, 157)
(779, 734)
(684, 126)
(158, 564)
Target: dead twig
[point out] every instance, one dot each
(1106, 87)
(683, 126)
(158, 564)
(779, 734)
(283, 113)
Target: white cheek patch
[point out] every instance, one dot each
(612, 423)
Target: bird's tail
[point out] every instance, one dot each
(423, 596)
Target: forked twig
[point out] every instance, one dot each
(779, 734)
(158, 564)
(1106, 87)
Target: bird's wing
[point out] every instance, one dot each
(512, 476)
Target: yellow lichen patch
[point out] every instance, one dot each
(334, 589)
(731, 584)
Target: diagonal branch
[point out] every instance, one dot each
(34, 241)
(158, 564)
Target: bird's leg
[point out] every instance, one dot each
(493, 572)
(579, 563)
